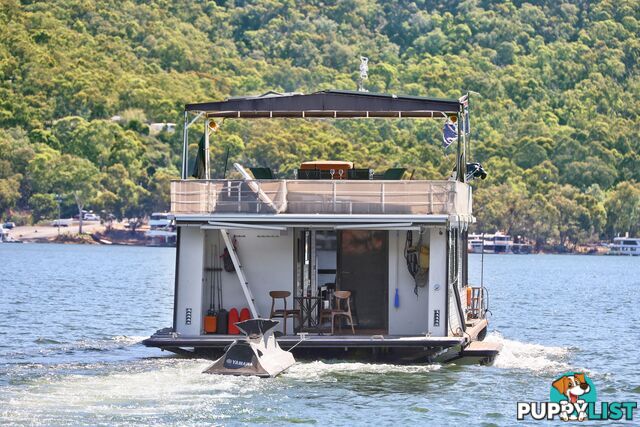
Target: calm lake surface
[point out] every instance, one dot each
(72, 318)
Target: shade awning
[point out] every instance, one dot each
(327, 104)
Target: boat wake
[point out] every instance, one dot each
(527, 356)
(104, 344)
(126, 389)
(47, 347)
(317, 370)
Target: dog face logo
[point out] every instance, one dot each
(572, 396)
(572, 386)
(576, 390)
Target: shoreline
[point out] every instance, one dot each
(117, 234)
(93, 234)
(107, 240)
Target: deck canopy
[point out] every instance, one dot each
(328, 104)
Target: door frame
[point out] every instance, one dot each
(385, 303)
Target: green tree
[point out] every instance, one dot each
(560, 95)
(43, 206)
(9, 187)
(623, 209)
(75, 178)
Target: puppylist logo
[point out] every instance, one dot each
(573, 398)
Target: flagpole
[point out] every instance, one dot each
(467, 126)
(458, 160)
(206, 149)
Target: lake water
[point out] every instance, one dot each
(72, 318)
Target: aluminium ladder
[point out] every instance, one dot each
(240, 272)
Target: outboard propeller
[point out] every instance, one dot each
(258, 354)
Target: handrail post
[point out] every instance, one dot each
(334, 196)
(430, 193)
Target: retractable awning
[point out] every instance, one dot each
(293, 220)
(327, 104)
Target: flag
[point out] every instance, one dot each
(449, 133)
(199, 166)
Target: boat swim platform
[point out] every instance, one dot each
(167, 340)
(402, 349)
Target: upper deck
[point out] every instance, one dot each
(356, 194)
(325, 197)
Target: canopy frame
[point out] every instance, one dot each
(326, 104)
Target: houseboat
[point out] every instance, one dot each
(496, 243)
(625, 246)
(353, 262)
(162, 231)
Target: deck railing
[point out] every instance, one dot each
(319, 197)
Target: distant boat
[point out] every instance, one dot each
(497, 243)
(5, 238)
(625, 246)
(162, 231)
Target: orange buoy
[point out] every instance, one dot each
(244, 314)
(234, 318)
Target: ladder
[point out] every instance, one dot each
(240, 272)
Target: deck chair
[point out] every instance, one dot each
(394, 173)
(339, 310)
(361, 174)
(262, 173)
(308, 173)
(284, 312)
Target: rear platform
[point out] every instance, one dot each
(390, 348)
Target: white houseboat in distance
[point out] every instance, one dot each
(354, 264)
(625, 246)
(497, 243)
(162, 231)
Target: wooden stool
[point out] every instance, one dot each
(283, 313)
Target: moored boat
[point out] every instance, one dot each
(494, 243)
(625, 246)
(161, 231)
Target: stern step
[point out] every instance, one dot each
(482, 349)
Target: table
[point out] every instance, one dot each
(309, 310)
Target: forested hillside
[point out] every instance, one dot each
(555, 122)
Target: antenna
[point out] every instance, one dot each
(364, 73)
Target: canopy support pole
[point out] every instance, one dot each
(459, 162)
(207, 173)
(185, 145)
